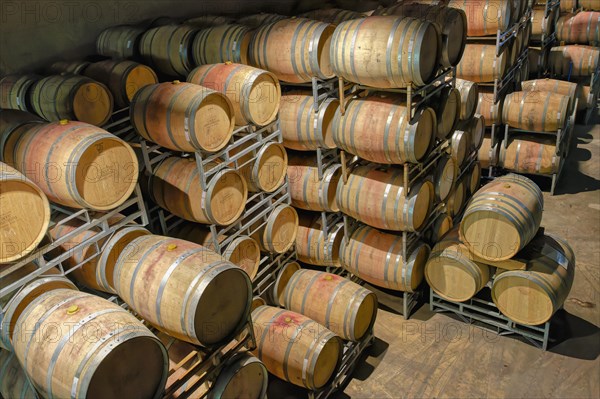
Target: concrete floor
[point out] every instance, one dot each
(433, 355)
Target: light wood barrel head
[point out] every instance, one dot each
(216, 118)
(421, 197)
(522, 300)
(244, 252)
(416, 262)
(283, 278)
(444, 177)
(257, 302)
(474, 178)
(138, 77)
(271, 167)
(228, 197)
(425, 133)
(243, 377)
(281, 229)
(264, 98)
(92, 103)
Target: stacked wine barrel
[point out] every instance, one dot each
(499, 243)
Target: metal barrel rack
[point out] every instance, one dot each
(547, 40)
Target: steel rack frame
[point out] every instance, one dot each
(43, 258)
(484, 314)
(547, 40)
(269, 268)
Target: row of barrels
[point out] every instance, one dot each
(494, 230)
(86, 92)
(573, 5)
(581, 27)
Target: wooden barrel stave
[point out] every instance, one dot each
(481, 64)
(528, 154)
(580, 28)
(168, 49)
(486, 17)
(574, 60)
(119, 42)
(539, 111)
(265, 168)
(469, 95)
(491, 112)
(308, 192)
(14, 91)
(279, 232)
(222, 43)
(312, 246)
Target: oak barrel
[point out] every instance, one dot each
(11, 119)
(71, 97)
(222, 43)
(457, 198)
(312, 246)
(378, 128)
(490, 110)
(586, 98)
(376, 257)
(386, 51)
(440, 226)
(340, 305)
(254, 93)
(243, 376)
(302, 126)
(563, 87)
(279, 232)
(68, 67)
(444, 177)
(75, 164)
(541, 25)
(529, 154)
(469, 95)
(589, 4)
(295, 50)
(24, 214)
(264, 168)
(502, 217)
(307, 190)
(14, 383)
(14, 91)
(377, 197)
(123, 78)
(119, 42)
(459, 146)
(473, 179)
(309, 359)
(574, 60)
(121, 359)
(168, 49)
(481, 64)
(451, 272)
(476, 129)
(447, 108)
(488, 153)
(533, 295)
(183, 116)
(184, 289)
(486, 17)
(243, 251)
(175, 186)
(285, 274)
(579, 28)
(539, 111)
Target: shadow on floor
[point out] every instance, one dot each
(574, 337)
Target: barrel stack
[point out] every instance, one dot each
(499, 250)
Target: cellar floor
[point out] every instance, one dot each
(433, 355)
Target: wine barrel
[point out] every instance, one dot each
(444, 177)
(469, 95)
(242, 251)
(379, 129)
(307, 190)
(502, 217)
(71, 97)
(488, 154)
(254, 93)
(212, 307)
(441, 225)
(476, 129)
(552, 85)
(473, 180)
(447, 110)
(168, 49)
(486, 17)
(539, 111)
(541, 25)
(386, 52)
(207, 21)
(11, 119)
(303, 128)
(459, 147)
(16, 302)
(24, 212)
(312, 246)
(589, 5)
(183, 116)
(68, 67)
(333, 16)
(586, 99)
(491, 112)
(255, 21)
(481, 64)
(243, 376)
(535, 62)
(533, 295)
(275, 293)
(14, 383)
(84, 166)
(377, 198)
(580, 28)
(69, 363)
(451, 272)
(308, 360)
(568, 5)
(279, 232)
(574, 60)
(123, 78)
(265, 168)
(451, 21)
(222, 43)
(14, 91)
(530, 154)
(457, 198)
(295, 50)
(175, 186)
(119, 42)
(340, 305)
(376, 257)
